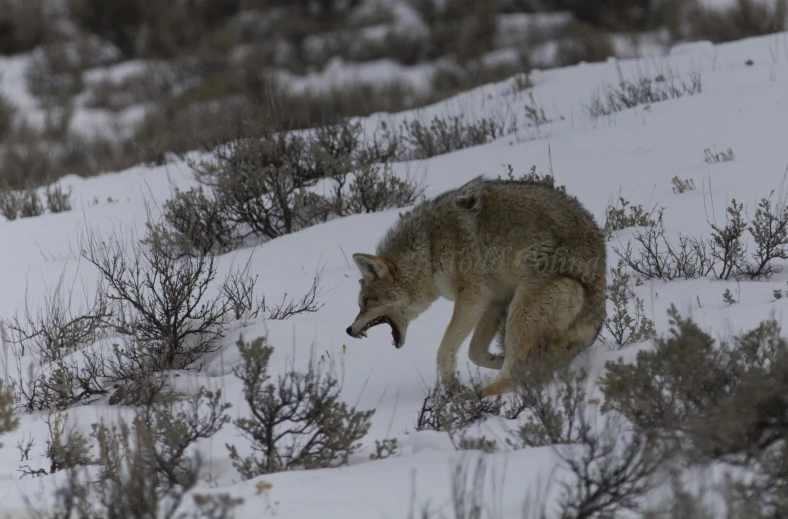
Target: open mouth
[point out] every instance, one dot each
(395, 335)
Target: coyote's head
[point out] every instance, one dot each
(383, 299)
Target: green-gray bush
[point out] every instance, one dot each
(717, 400)
(144, 468)
(296, 421)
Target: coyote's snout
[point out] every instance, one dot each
(520, 260)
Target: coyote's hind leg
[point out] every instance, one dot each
(543, 312)
(483, 335)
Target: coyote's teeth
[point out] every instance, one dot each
(363, 334)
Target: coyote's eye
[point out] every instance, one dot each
(363, 302)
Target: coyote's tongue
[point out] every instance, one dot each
(395, 335)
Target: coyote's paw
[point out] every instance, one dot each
(496, 387)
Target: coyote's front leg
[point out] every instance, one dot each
(463, 320)
(483, 335)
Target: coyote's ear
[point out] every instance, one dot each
(373, 267)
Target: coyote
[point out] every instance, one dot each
(520, 260)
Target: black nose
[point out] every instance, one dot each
(350, 330)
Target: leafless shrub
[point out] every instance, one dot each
(715, 157)
(682, 186)
(195, 225)
(159, 311)
(624, 328)
(31, 204)
(728, 298)
(717, 401)
(616, 217)
(267, 186)
(465, 442)
(160, 300)
(613, 470)
(57, 329)
(65, 449)
(384, 449)
(262, 184)
(25, 448)
(144, 469)
(456, 408)
(611, 466)
(645, 90)
(337, 142)
(376, 188)
(532, 177)
(769, 230)
(551, 419)
(384, 146)
(535, 114)
(10, 203)
(308, 303)
(170, 430)
(446, 134)
(683, 504)
(60, 384)
(20, 204)
(296, 421)
(131, 377)
(658, 258)
(58, 200)
(8, 421)
(522, 81)
(515, 406)
(724, 253)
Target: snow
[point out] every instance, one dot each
(635, 152)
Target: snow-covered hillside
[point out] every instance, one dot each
(636, 152)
